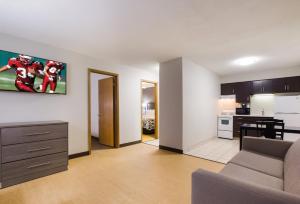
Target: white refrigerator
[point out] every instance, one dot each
(287, 108)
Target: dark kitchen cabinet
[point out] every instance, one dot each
(286, 85)
(293, 84)
(228, 89)
(243, 90)
(239, 120)
(262, 86)
(279, 85)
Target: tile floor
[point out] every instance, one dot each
(216, 149)
(153, 142)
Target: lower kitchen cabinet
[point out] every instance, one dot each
(239, 120)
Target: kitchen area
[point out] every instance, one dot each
(249, 102)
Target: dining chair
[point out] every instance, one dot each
(270, 128)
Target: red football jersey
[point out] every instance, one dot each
(54, 68)
(25, 73)
(38, 67)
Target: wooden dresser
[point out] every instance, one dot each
(32, 150)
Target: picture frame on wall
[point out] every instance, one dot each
(25, 73)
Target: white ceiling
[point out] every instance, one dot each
(144, 32)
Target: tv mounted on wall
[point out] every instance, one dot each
(24, 73)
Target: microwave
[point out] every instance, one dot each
(242, 111)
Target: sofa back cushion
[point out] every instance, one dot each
(292, 169)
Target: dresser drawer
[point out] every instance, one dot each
(35, 149)
(20, 171)
(33, 133)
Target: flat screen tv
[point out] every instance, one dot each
(24, 73)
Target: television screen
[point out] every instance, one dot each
(24, 73)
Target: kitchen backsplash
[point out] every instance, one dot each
(262, 102)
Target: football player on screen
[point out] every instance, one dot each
(25, 72)
(52, 74)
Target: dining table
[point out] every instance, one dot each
(244, 128)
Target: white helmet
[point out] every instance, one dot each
(25, 59)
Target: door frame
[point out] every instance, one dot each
(116, 107)
(156, 107)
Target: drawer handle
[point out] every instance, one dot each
(39, 149)
(38, 133)
(38, 165)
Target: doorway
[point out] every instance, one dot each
(103, 110)
(149, 113)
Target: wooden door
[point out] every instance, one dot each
(106, 111)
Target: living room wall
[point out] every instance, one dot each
(19, 107)
(201, 91)
(188, 104)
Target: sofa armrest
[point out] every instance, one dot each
(212, 188)
(275, 148)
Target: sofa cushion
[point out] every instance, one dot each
(252, 176)
(292, 169)
(259, 162)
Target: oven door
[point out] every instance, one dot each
(225, 123)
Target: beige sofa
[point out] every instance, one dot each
(264, 172)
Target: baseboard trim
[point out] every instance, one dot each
(81, 154)
(130, 143)
(171, 149)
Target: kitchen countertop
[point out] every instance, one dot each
(255, 115)
(271, 116)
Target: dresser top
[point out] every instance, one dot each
(35, 123)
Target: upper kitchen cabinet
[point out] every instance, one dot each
(262, 86)
(293, 84)
(286, 85)
(243, 90)
(279, 85)
(228, 89)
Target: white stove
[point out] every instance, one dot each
(225, 125)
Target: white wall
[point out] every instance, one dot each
(95, 102)
(189, 97)
(73, 107)
(170, 104)
(265, 74)
(200, 104)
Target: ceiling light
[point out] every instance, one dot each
(245, 61)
